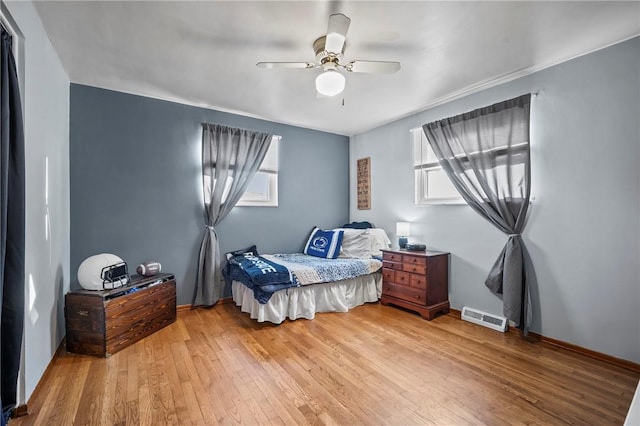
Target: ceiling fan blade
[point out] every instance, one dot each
(336, 33)
(378, 67)
(286, 65)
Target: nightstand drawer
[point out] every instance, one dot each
(416, 269)
(414, 260)
(391, 265)
(402, 278)
(394, 257)
(405, 293)
(418, 281)
(388, 275)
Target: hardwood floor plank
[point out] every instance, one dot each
(256, 407)
(112, 399)
(192, 377)
(176, 390)
(373, 365)
(162, 383)
(38, 414)
(133, 417)
(193, 407)
(65, 410)
(144, 392)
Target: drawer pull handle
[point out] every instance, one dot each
(83, 313)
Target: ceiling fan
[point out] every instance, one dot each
(329, 51)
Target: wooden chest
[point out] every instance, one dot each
(418, 281)
(103, 322)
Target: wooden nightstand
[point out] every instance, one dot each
(418, 281)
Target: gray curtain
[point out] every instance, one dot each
(230, 159)
(12, 227)
(485, 153)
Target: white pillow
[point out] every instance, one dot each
(379, 241)
(356, 244)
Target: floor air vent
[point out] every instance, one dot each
(488, 320)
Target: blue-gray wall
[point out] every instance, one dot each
(583, 231)
(136, 186)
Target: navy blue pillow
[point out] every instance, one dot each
(324, 243)
(358, 225)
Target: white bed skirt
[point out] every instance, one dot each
(305, 301)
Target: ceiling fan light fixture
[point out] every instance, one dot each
(330, 83)
(329, 50)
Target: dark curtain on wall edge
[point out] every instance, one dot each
(12, 231)
(466, 147)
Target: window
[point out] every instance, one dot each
(263, 189)
(432, 185)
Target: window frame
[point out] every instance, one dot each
(272, 171)
(420, 176)
(500, 154)
(272, 196)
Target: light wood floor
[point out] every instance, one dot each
(373, 365)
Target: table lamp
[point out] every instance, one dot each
(403, 230)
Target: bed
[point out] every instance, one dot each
(345, 274)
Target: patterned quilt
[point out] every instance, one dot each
(312, 270)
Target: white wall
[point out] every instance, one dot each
(583, 232)
(46, 121)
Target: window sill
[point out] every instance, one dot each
(250, 204)
(459, 202)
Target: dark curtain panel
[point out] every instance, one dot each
(485, 153)
(230, 159)
(12, 228)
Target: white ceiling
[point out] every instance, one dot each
(204, 53)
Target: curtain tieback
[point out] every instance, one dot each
(513, 235)
(210, 228)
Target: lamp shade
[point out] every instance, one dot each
(330, 83)
(403, 229)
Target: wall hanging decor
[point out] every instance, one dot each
(364, 183)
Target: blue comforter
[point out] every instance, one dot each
(263, 276)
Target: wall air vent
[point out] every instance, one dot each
(494, 322)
